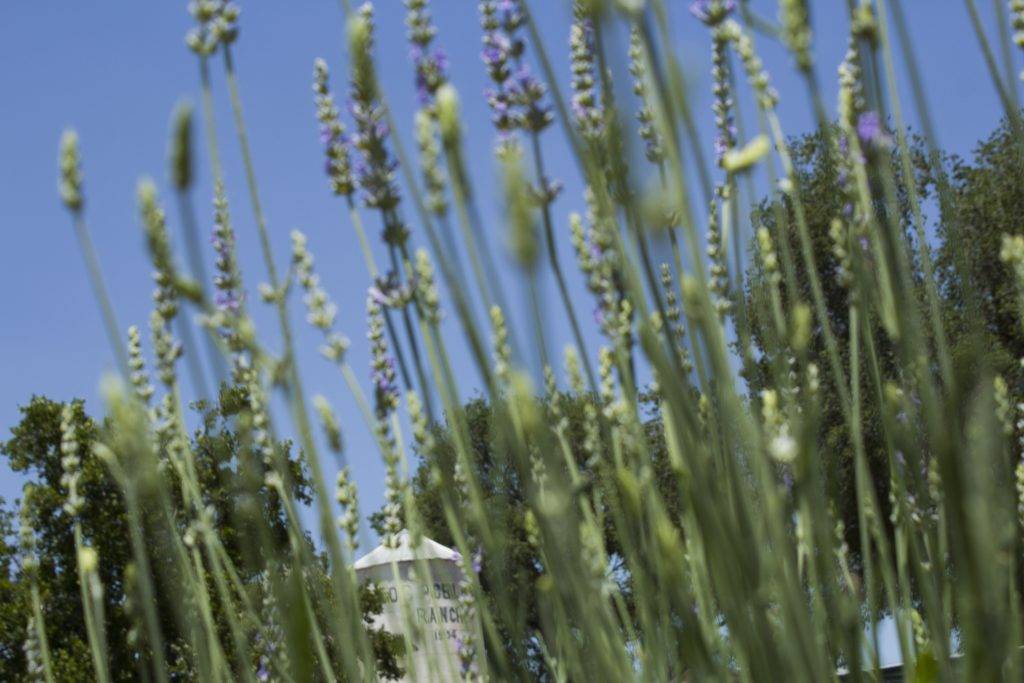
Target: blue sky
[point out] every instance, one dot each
(114, 70)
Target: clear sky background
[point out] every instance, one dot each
(115, 69)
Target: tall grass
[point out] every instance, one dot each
(743, 570)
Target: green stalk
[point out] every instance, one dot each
(93, 626)
(1009, 103)
(938, 330)
(536, 307)
(99, 289)
(141, 560)
(421, 377)
(40, 627)
(371, 266)
(342, 582)
(195, 369)
(197, 265)
(1006, 49)
(556, 266)
(675, 85)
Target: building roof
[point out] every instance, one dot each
(426, 550)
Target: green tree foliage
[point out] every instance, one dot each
(34, 450)
(968, 206)
(520, 564)
(818, 179)
(984, 200)
(226, 473)
(12, 607)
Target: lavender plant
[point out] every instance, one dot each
(677, 514)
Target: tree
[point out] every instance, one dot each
(12, 612)
(819, 177)
(978, 203)
(221, 462)
(520, 566)
(34, 450)
(984, 201)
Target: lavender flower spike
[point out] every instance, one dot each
(431, 63)
(516, 101)
(338, 166)
(712, 12)
(871, 130)
(585, 107)
(375, 167)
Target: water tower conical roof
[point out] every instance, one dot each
(427, 549)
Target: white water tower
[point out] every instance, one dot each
(421, 604)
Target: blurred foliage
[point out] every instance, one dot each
(224, 472)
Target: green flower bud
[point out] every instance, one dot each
(629, 489)
(801, 327)
(70, 183)
(180, 153)
(358, 33)
(88, 559)
(329, 422)
(739, 160)
(519, 208)
(360, 45)
(448, 113)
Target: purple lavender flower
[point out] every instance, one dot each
(378, 296)
(721, 146)
(431, 72)
(528, 92)
(465, 665)
(332, 133)
(382, 378)
(712, 12)
(389, 292)
(516, 101)
(467, 659)
(229, 296)
(430, 64)
(382, 365)
(526, 86)
(375, 167)
(337, 162)
(871, 130)
(384, 388)
(228, 301)
(585, 107)
(497, 50)
(724, 141)
(512, 16)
